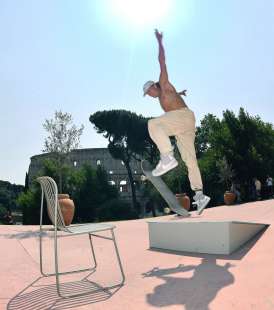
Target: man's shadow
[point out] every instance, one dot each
(196, 292)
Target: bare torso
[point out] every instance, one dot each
(170, 100)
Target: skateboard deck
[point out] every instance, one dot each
(163, 189)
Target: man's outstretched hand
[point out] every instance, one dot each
(163, 75)
(159, 35)
(183, 92)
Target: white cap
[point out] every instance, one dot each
(147, 85)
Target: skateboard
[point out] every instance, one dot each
(163, 189)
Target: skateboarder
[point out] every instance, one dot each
(179, 121)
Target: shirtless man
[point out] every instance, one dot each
(179, 121)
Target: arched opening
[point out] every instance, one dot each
(123, 186)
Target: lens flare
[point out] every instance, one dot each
(140, 13)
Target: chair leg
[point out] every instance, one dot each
(118, 256)
(57, 274)
(61, 273)
(56, 265)
(92, 250)
(41, 256)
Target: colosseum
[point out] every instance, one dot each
(116, 170)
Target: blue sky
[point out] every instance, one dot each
(81, 57)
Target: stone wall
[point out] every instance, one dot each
(96, 156)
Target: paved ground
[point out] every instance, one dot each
(154, 279)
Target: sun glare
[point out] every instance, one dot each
(141, 13)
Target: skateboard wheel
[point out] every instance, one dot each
(143, 178)
(166, 210)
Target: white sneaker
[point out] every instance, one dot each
(201, 201)
(162, 168)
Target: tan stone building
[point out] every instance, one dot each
(115, 169)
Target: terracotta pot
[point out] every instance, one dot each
(229, 198)
(183, 200)
(67, 208)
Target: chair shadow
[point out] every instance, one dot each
(45, 297)
(193, 293)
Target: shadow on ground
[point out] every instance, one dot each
(194, 293)
(198, 288)
(26, 234)
(45, 297)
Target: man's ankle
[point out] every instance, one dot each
(165, 158)
(198, 193)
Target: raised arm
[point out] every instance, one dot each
(163, 75)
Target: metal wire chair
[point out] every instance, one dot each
(50, 191)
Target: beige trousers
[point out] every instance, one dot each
(181, 124)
